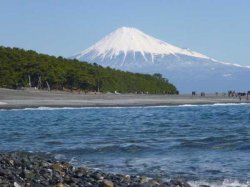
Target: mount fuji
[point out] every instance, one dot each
(130, 49)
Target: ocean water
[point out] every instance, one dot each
(205, 144)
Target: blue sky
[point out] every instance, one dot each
(216, 28)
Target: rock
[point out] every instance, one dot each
(60, 185)
(179, 183)
(154, 183)
(17, 185)
(57, 167)
(66, 165)
(12, 162)
(45, 164)
(75, 180)
(140, 185)
(24, 173)
(143, 179)
(107, 183)
(96, 176)
(203, 185)
(26, 169)
(57, 178)
(80, 172)
(165, 184)
(4, 172)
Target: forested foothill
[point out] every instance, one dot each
(27, 68)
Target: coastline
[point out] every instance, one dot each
(34, 169)
(43, 169)
(19, 99)
(54, 169)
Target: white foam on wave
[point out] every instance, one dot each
(224, 183)
(49, 108)
(190, 105)
(198, 105)
(230, 104)
(44, 108)
(63, 108)
(86, 108)
(126, 107)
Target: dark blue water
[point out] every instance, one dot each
(200, 143)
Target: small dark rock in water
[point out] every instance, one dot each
(26, 169)
(107, 183)
(179, 183)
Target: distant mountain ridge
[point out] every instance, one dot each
(132, 50)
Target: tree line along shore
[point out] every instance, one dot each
(27, 68)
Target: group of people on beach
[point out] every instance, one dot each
(239, 94)
(230, 94)
(202, 94)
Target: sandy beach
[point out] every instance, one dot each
(39, 98)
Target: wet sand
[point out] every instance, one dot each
(38, 98)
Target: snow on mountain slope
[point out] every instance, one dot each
(132, 50)
(124, 40)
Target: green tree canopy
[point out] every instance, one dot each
(17, 65)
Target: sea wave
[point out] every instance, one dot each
(124, 107)
(224, 183)
(230, 104)
(105, 149)
(214, 104)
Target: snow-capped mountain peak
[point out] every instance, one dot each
(126, 39)
(132, 50)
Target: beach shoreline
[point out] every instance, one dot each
(39, 169)
(18, 99)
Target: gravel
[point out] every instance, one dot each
(21, 169)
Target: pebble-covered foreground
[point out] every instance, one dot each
(26, 169)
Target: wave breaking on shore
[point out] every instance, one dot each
(124, 107)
